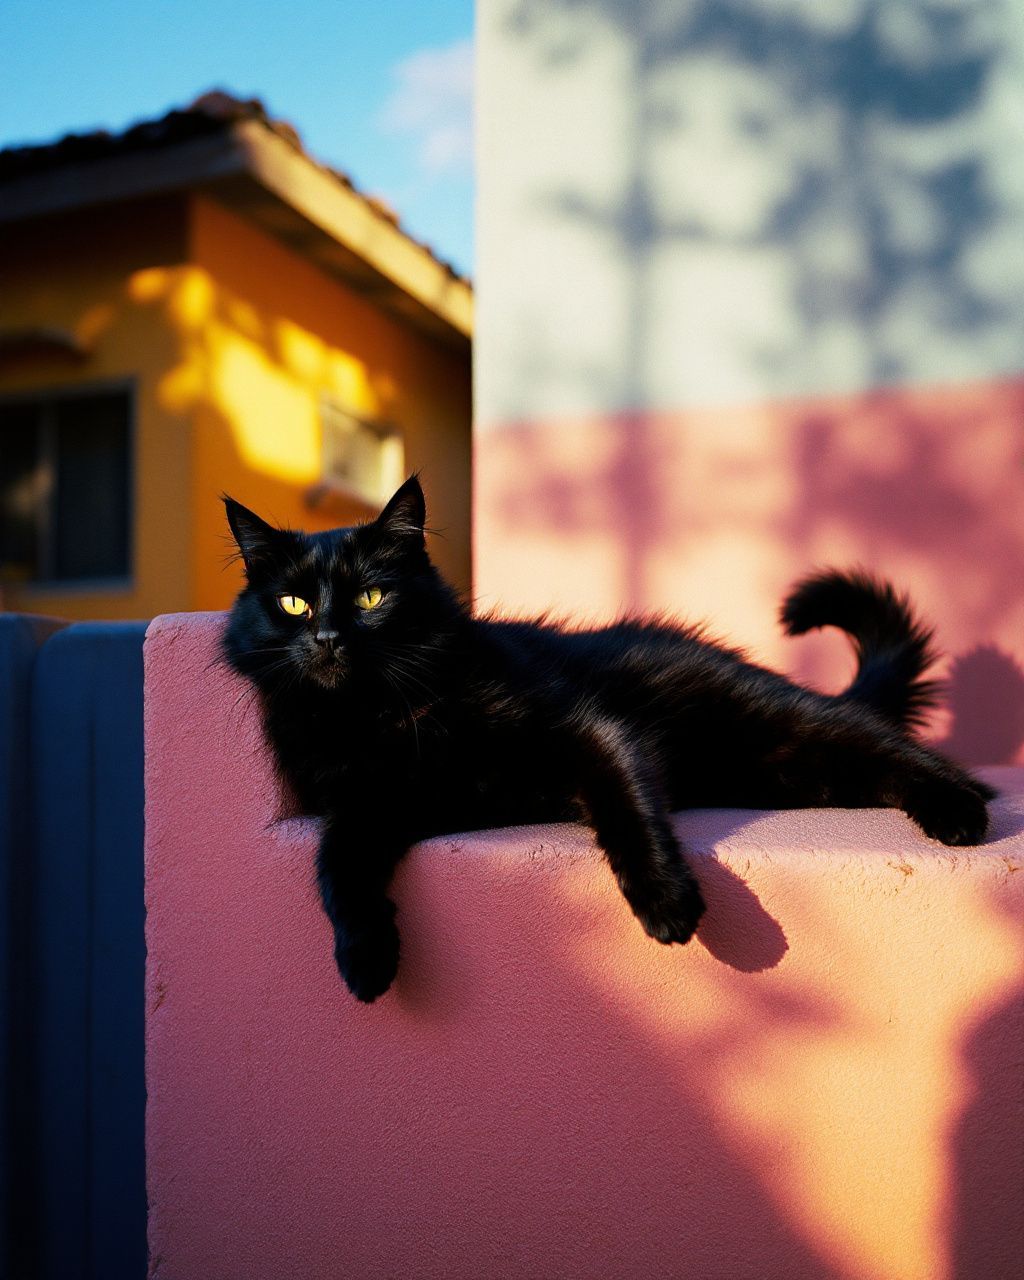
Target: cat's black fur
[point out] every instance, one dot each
(414, 718)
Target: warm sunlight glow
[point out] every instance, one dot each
(837, 1077)
(309, 359)
(149, 285)
(274, 421)
(303, 353)
(192, 300)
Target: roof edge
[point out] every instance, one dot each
(353, 221)
(249, 147)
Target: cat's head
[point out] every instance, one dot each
(341, 609)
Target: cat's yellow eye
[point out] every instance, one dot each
(370, 598)
(295, 606)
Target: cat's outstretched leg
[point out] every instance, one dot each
(354, 868)
(947, 803)
(624, 801)
(853, 763)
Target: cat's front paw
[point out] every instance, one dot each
(368, 960)
(670, 911)
(945, 811)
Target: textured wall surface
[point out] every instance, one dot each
(748, 302)
(825, 1085)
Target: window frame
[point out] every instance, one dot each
(45, 400)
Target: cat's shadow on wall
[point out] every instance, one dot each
(985, 696)
(736, 929)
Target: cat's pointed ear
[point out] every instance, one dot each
(260, 543)
(406, 512)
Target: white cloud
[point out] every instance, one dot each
(432, 103)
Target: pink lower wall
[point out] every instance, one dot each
(712, 515)
(825, 1084)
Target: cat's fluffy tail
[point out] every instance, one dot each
(893, 648)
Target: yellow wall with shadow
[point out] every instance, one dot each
(230, 340)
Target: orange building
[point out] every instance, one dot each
(196, 306)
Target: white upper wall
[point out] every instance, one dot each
(703, 203)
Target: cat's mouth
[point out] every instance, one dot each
(328, 670)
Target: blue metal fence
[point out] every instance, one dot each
(72, 880)
(20, 640)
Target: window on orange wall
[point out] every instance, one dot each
(65, 480)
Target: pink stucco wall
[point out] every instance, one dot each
(714, 515)
(825, 1084)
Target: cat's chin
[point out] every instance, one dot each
(328, 677)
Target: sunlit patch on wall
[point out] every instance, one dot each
(274, 421)
(837, 1077)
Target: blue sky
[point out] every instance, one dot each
(378, 88)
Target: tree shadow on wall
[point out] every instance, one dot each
(917, 226)
(873, 80)
(988, 1147)
(616, 1078)
(934, 499)
(627, 1119)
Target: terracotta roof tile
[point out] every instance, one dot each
(209, 114)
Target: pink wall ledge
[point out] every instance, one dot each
(826, 1084)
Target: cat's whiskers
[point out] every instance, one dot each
(400, 673)
(408, 705)
(399, 661)
(272, 671)
(406, 675)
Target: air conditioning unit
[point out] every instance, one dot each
(360, 459)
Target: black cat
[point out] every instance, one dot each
(396, 715)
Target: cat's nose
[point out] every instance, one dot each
(326, 639)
